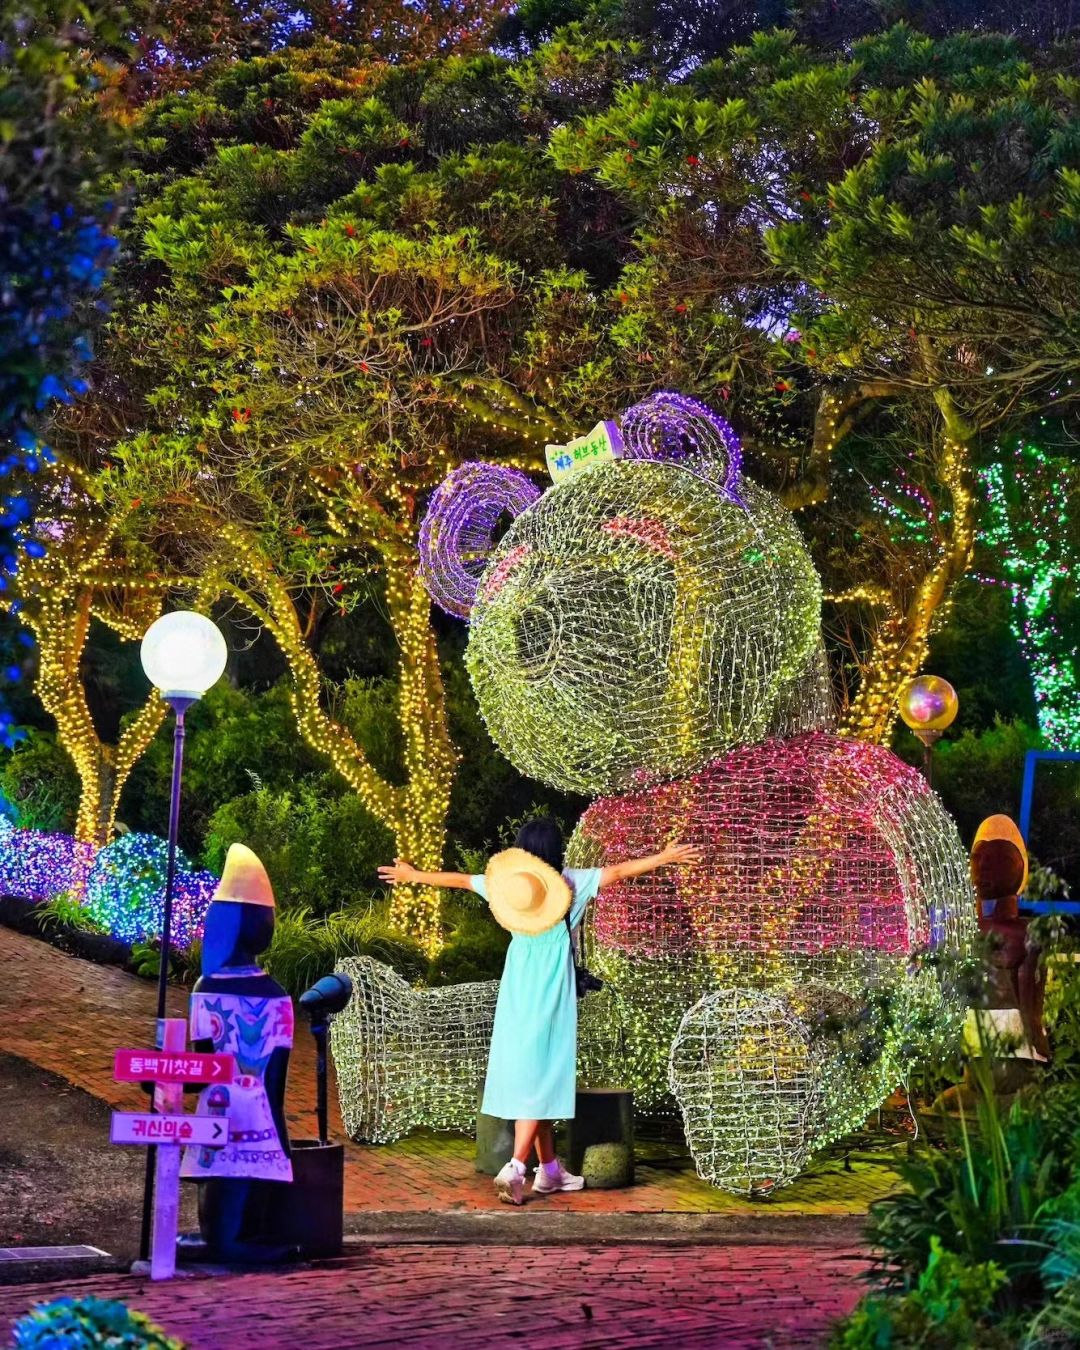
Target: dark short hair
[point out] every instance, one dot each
(543, 839)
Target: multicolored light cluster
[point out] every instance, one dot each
(35, 865)
(122, 885)
(1029, 531)
(125, 891)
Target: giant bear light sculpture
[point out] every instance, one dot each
(649, 631)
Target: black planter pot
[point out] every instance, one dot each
(309, 1213)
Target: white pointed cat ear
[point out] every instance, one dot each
(458, 530)
(669, 426)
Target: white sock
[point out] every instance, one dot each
(519, 1167)
(551, 1168)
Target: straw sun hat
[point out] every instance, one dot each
(525, 894)
(244, 880)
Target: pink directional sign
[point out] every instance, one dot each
(163, 1066)
(131, 1127)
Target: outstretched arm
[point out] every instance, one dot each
(686, 854)
(400, 872)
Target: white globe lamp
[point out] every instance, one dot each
(183, 654)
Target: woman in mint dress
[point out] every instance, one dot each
(532, 1063)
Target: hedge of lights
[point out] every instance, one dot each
(122, 885)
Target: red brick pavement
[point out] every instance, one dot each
(465, 1298)
(68, 1016)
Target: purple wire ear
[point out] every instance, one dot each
(669, 426)
(457, 533)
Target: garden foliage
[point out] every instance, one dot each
(89, 1323)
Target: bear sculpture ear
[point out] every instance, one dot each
(669, 426)
(458, 531)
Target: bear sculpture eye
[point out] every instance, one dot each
(537, 640)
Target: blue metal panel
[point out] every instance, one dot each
(1027, 794)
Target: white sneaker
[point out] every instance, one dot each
(543, 1184)
(510, 1183)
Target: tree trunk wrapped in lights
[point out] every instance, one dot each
(901, 636)
(78, 576)
(415, 811)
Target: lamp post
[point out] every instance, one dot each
(183, 654)
(928, 704)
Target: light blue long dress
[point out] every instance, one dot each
(532, 1065)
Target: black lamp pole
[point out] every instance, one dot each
(179, 703)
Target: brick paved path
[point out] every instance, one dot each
(68, 1016)
(465, 1298)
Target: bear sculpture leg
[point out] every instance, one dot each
(764, 1078)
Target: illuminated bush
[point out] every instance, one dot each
(125, 891)
(35, 865)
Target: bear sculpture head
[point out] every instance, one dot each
(637, 619)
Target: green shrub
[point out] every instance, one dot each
(87, 1324)
(40, 782)
(237, 741)
(319, 843)
(1058, 1323)
(946, 1310)
(307, 946)
(983, 1194)
(978, 774)
(475, 944)
(1060, 957)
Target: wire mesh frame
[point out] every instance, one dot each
(658, 619)
(758, 1090)
(408, 1058)
(828, 862)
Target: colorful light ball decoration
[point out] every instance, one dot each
(125, 891)
(636, 622)
(928, 705)
(458, 530)
(831, 865)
